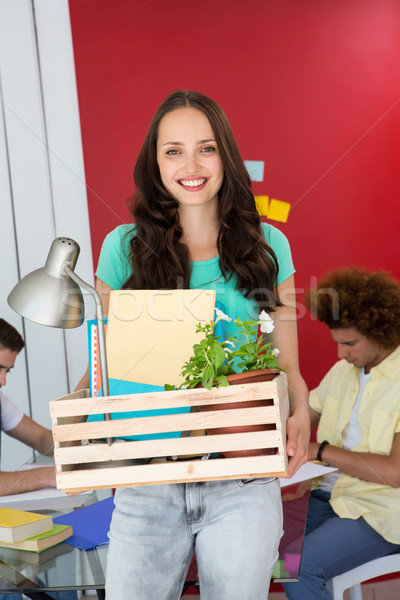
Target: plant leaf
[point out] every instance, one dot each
(207, 379)
(222, 381)
(219, 356)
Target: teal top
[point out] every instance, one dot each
(114, 269)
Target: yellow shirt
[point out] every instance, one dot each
(379, 419)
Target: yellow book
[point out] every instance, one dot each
(40, 542)
(16, 525)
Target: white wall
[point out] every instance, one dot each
(42, 194)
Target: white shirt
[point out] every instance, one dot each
(11, 415)
(351, 434)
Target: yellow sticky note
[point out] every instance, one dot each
(262, 205)
(278, 210)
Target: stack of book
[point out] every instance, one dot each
(23, 530)
(16, 566)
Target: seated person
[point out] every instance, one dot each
(19, 426)
(354, 513)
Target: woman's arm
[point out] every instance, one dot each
(104, 290)
(315, 417)
(284, 337)
(378, 468)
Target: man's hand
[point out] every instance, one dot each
(312, 450)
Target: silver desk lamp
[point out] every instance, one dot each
(52, 296)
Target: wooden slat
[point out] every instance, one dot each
(168, 447)
(72, 406)
(173, 472)
(167, 423)
(92, 460)
(283, 404)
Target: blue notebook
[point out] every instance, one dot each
(90, 524)
(119, 387)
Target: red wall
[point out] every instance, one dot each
(312, 88)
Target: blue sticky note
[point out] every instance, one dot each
(255, 169)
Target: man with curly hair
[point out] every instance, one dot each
(354, 513)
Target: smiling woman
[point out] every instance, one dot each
(197, 227)
(193, 126)
(190, 168)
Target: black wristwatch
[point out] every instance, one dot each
(320, 450)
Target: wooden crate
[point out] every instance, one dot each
(84, 465)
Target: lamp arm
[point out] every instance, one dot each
(100, 326)
(100, 332)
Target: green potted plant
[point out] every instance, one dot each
(213, 358)
(212, 364)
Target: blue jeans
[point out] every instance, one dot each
(233, 526)
(332, 546)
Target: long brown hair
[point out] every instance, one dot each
(159, 259)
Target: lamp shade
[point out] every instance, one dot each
(48, 295)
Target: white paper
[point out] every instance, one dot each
(307, 471)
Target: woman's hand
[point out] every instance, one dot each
(298, 434)
(284, 337)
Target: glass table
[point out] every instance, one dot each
(67, 569)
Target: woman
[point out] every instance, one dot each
(196, 226)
